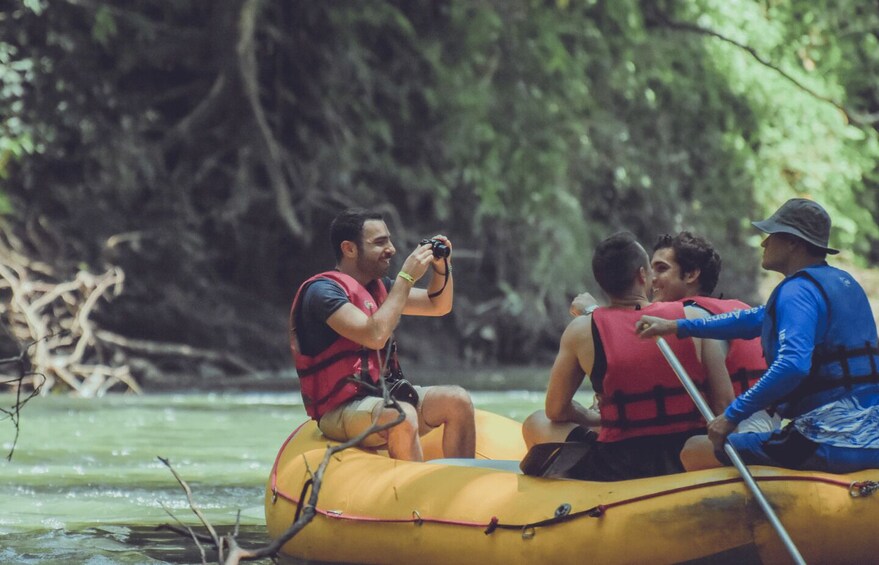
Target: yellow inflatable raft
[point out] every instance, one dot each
(373, 509)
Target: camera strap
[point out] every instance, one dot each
(448, 273)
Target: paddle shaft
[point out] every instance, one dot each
(730, 451)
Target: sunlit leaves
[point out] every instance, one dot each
(802, 145)
(526, 129)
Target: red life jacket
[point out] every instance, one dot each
(325, 379)
(640, 393)
(744, 360)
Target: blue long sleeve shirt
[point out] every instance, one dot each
(802, 319)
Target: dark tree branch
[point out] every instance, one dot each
(852, 116)
(274, 159)
(158, 349)
(214, 538)
(23, 364)
(199, 115)
(184, 530)
(304, 515)
(310, 509)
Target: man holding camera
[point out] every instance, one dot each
(341, 324)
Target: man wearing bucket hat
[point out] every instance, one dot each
(819, 339)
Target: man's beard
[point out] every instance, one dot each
(376, 269)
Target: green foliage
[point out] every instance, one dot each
(801, 145)
(525, 130)
(15, 135)
(16, 140)
(104, 28)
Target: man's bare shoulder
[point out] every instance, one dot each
(693, 312)
(579, 328)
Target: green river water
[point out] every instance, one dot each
(85, 485)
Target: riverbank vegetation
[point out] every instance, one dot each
(198, 150)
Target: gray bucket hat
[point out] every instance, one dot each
(803, 218)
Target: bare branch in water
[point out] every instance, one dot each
(22, 363)
(305, 513)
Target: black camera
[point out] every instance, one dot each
(440, 249)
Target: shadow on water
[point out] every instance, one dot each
(169, 547)
(117, 544)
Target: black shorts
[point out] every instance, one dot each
(634, 458)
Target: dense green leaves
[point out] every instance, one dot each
(804, 145)
(204, 145)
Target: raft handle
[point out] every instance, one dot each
(862, 488)
(563, 510)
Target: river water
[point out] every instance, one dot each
(85, 485)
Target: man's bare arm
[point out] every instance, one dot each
(576, 354)
(373, 331)
(719, 391)
(420, 302)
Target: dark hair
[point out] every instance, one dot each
(693, 252)
(348, 226)
(616, 261)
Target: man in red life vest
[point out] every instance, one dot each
(645, 414)
(819, 338)
(686, 268)
(341, 326)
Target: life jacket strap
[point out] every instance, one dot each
(319, 402)
(303, 373)
(814, 383)
(842, 354)
(659, 395)
(743, 378)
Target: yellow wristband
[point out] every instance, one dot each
(406, 276)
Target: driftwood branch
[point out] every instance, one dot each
(304, 514)
(214, 538)
(158, 348)
(309, 510)
(22, 365)
(56, 318)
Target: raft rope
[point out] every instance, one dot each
(563, 513)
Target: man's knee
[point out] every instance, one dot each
(409, 423)
(698, 453)
(687, 456)
(446, 405)
(453, 400)
(461, 399)
(532, 426)
(534, 423)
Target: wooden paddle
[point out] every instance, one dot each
(730, 451)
